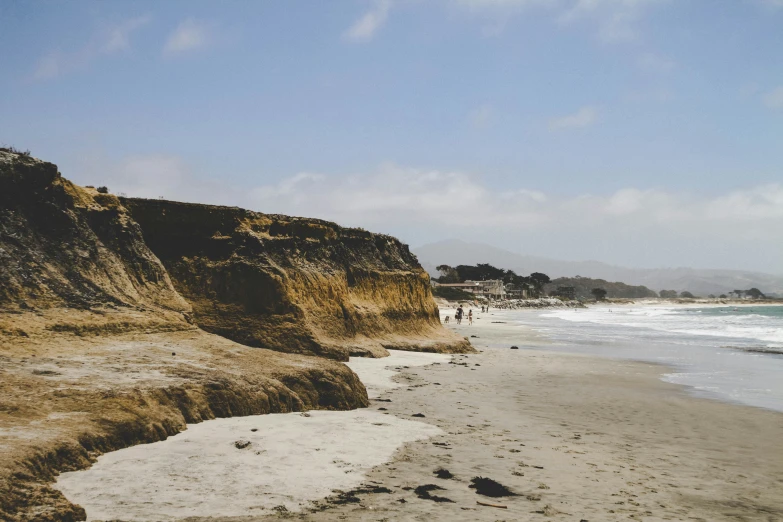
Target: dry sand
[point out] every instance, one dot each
(255, 464)
(240, 465)
(577, 438)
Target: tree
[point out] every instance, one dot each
(448, 274)
(755, 293)
(539, 280)
(598, 293)
(687, 295)
(723, 296)
(480, 272)
(488, 271)
(668, 294)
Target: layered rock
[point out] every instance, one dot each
(294, 284)
(68, 248)
(99, 344)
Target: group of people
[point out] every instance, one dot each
(461, 312)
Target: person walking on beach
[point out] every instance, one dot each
(470, 317)
(458, 315)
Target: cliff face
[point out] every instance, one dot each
(294, 284)
(290, 284)
(62, 246)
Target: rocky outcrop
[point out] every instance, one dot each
(65, 247)
(99, 341)
(290, 284)
(294, 284)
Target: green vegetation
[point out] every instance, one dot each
(452, 294)
(598, 293)
(14, 150)
(584, 286)
(483, 272)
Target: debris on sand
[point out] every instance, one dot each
(490, 488)
(350, 497)
(442, 473)
(424, 492)
(242, 444)
(421, 415)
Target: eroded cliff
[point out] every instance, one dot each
(294, 284)
(75, 258)
(99, 340)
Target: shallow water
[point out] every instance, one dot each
(721, 352)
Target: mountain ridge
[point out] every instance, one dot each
(696, 280)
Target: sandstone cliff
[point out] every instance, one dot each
(294, 284)
(63, 247)
(99, 340)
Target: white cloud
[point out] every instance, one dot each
(188, 36)
(365, 27)
(584, 117)
(632, 225)
(506, 4)
(106, 41)
(616, 19)
(118, 37)
(774, 98)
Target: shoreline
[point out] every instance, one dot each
(678, 372)
(575, 437)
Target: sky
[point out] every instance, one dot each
(644, 133)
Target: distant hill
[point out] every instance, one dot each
(583, 287)
(698, 281)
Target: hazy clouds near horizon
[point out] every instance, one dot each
(636, 133)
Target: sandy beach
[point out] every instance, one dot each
(572, 437)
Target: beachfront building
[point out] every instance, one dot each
(492, 289)
(518, 291)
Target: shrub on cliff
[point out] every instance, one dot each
(452, 294)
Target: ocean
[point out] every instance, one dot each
(728, 353)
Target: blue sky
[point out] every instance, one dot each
(638, 132)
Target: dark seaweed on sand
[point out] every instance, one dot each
(490, 488)
(424, 492)
(443, 473)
